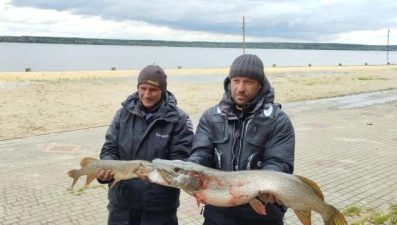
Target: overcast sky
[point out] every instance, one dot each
(321, 21)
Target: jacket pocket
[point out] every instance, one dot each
(219, 129)
(118, 194)
(255, 161)
(160, 198)
(160, 146)
(127, 194)
(259, 131)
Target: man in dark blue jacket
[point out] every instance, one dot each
(246, 130)
(149, 125)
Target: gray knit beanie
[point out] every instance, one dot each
(249, 66)
(154, 75)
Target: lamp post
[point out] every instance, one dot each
(243, 35)
(387, 50)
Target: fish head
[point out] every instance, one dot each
(180, 174)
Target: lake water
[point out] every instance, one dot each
(16, 57)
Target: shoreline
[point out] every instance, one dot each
(77, 75)
(36, 103)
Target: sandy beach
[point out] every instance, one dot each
(34, 103)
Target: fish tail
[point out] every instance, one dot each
(304, 216)
(86, 160)
(337, 218)
(75, 175)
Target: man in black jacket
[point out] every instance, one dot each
(246, 130)
(149, 125)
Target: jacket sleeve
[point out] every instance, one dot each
(182, 138)
(279, 153)
(203, 148)
(110, 149)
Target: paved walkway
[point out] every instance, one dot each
(350, 152)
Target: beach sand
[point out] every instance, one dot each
(34, 103)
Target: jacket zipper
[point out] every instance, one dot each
(242, 136)
(234, 143)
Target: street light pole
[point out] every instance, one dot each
(388, 33)
(243, 35)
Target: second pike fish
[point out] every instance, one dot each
(227, 189)
(123, 170)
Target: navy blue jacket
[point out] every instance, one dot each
(167, 135)
(261, 136)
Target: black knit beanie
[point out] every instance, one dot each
(153, 75)
(249, 66)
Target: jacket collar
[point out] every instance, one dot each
(228, 106)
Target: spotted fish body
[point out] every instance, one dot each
(123, 170)
(227, 189)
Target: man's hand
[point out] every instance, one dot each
(266, 197)
(105, 175)
(142, 176)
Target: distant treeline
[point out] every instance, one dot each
(197, 44)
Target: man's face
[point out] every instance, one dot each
(149, 95)
(244, 90)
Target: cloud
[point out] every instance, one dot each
(46, 22)
(205, 20)
(361, 37)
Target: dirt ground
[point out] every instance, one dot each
(35, 103)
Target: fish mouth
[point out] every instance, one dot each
(177, 173)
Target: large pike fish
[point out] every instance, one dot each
(227, 189)
(123, 170)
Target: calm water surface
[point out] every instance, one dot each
(60, 57)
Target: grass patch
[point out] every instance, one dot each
(80, 191)
(376, 218)
(372, 78)
(311, 83)
(352, 211)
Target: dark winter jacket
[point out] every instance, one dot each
(261, 136)
(167, 135)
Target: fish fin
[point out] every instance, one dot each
(86, 160)
(114, 182)
(75, 175)
(258, 206)
(313, 185)
(304, 216)
(89, 180)
(337, 218)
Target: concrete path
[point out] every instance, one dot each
(346, 146)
